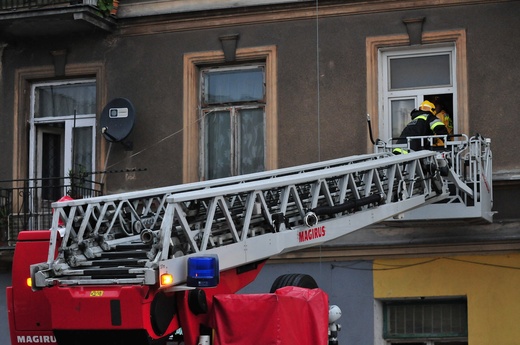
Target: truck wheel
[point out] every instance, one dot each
(162, 309)
(294, 279)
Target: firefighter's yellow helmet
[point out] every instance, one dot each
(427, 106)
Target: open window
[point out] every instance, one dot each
(411, 76)
(62, 133)
(400, 77)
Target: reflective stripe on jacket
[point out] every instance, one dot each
(399, 151)
(423, 123)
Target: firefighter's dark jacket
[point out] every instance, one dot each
(423, 123)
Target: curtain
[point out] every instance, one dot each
(217, 144)
(65, 100)
(252, 140)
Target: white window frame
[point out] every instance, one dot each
(417, 94)
(234, 113)
(235, 138)
(70, 121)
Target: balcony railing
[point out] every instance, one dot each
(26, 204)
(34, 4)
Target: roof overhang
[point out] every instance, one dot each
(52, 22)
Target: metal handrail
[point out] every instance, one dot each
(26, 204)
(15, 5)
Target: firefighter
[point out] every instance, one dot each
(441, 113)
(424, 122)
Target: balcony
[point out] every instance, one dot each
(34, 19)
(27, 204)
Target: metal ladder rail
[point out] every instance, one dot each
(242, 249)
(476, 171)
(314, 189)
(411, 176)
(358, 181)
(480, 159)
(455, 152)
(471, 161)
(99, 215)
(77, 238)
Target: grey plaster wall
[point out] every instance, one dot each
(317, 120)
(321, 80)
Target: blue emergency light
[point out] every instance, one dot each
(203, 271)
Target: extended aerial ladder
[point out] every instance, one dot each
(137, 238)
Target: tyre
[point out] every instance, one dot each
(294, 279)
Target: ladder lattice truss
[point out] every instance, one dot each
(128, 238)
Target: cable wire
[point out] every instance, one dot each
(391, 267)
(318, 79)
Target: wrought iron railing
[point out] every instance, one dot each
(33, 4)
(25, 204)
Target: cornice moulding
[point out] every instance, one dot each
(141, 18)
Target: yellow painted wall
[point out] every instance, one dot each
(490, 282)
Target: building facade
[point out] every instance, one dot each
(203, 90)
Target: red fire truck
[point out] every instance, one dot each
(145, 266)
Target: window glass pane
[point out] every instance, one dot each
(82, 150)
(64, 100)
(81, 168)
(240, 85)
(217, 144)
(251, 140)
(400, 112)
(420, 71)
(51, 166)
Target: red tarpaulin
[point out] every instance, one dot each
(290, 316)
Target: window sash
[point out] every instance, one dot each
(420, 71)
(413, 81)
(236, 85)
(217, 144)
(234, 141)
(251, 139)
(234, 121)
(82, 154)
(66, 99)
(67, 108)
(400, 109)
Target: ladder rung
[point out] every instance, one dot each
(129, 262)
(125, 254)
(132, 246)
(109, 272)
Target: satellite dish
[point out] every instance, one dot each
(117, 119)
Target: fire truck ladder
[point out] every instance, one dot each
(129, 238)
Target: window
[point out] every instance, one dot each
(230, 123)
(62, 132)
(410, 76)
(400, 77)
(425, 321)
(233, 121)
